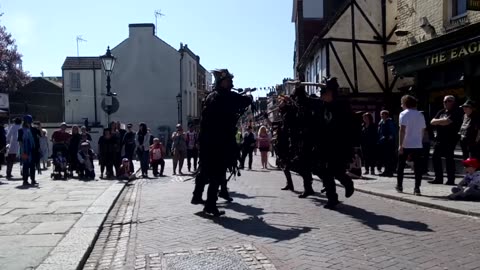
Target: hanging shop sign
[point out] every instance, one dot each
(455, 53)
(440, 57)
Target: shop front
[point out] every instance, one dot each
(446, 65)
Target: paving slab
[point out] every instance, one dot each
(54, 227)
(47, 227)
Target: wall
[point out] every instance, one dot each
(189, 85)
(313, 9)
(438, 14)
(79, 104)
(366, 81)
(146, 79)
(209, 79)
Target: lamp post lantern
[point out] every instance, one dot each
(179, 108)
(108, 62)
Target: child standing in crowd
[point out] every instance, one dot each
(157, 152)
(263, 144)
(85, 159)
(469, 187)
(44, 149)
(125, 173)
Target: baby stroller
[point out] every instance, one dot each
(59, 167)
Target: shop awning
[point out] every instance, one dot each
(453, 46)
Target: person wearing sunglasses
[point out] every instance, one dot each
(446, 123)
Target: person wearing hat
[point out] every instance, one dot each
(217, 145)
(295, 138)
(469, 187)
(336, 148)
(28, 138)
(469, 130)
(85, 157)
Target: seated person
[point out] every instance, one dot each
(60, 165)
(469, 187)
(85, 159)
(157, 152)
(124, 173)
(355, 170)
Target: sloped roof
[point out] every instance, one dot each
(82, 63)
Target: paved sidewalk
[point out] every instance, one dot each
(434, 196)
(54, 225)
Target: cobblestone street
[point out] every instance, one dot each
(155, 227)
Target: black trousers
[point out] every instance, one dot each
(369, 156)
(109, 167)
(306, 176)
(192, 153)
(215, 177)
(416, 155)
(387, 156)
(446, 150)
(11, 159)
(328, 173)
(155, 164)
(425, 157)
(247, 152)
(83, 172)
(469, 149)
(28, 170)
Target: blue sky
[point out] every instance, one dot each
(252, 38)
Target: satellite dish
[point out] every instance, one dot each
(115, 105)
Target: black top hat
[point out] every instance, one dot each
(469, 103)
(221, 74)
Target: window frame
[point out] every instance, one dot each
(75, 82)
(454, 4)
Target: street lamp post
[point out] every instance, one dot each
(108, 61)
(179, 108)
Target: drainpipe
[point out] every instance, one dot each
(181, 83)
(95, 92)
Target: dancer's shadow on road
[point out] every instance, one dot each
(256, 226)
(234, 194)
(252, 210)
(373, 220)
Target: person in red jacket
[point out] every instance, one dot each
(157, 152)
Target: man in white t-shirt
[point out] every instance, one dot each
(412, 127)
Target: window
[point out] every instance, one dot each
(190, 71)
(194, 104)
(194, 75)
(75, 81)
(190, 104)
(459, 7)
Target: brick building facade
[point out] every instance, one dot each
(438, 46)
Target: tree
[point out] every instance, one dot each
(11, 74)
